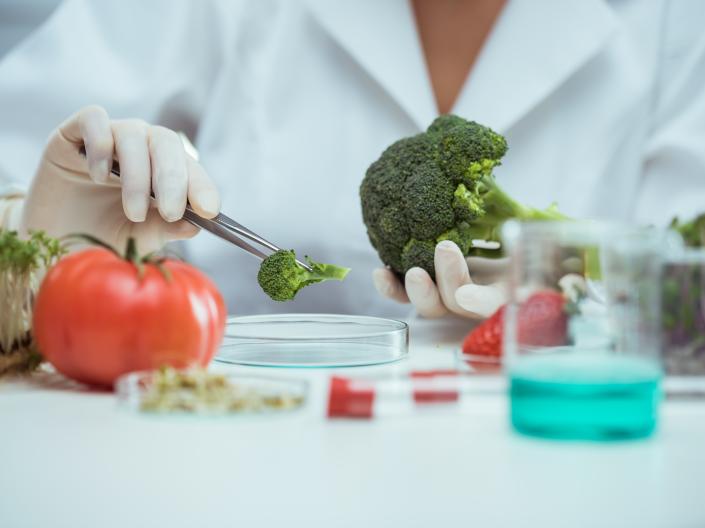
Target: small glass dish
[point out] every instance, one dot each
(313, 341)
(200, 392)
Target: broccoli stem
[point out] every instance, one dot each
(550, 213)
(500, 206)
(323, 272)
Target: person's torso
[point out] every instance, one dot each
(312, 92)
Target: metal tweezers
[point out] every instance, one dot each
(221, 226)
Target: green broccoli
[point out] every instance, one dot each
(281, 277)
(436, 186)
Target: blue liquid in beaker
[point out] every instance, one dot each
(585, 396)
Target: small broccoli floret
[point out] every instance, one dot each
(444, 123)
(467, 147)
(462, 236)
(467, 205)
(693, 231)
(281, 277)
(435, 186)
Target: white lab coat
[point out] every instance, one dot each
(602, 104)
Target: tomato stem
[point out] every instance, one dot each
(74, 237)
(131, 254)
(131, 251)
(163, 269)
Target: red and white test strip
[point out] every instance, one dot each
(419, 391)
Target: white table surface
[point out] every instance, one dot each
(71, 458)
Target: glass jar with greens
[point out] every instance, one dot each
(683, 301)
(21, 265)
(683, 312)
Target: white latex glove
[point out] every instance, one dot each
(471, 287)
(70, 194)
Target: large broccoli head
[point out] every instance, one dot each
(436, 186)
(281, 277)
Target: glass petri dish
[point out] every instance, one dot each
(313, 341)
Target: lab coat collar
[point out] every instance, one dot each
(381, 36)
(535, 46)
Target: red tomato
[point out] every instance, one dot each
(95, 318)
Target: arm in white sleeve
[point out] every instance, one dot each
(673, 181)
(153, 60)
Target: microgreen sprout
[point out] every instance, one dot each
(21, 265)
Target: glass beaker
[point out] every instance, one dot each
(582, 329)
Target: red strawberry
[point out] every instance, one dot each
(486, 338)
(543, 321)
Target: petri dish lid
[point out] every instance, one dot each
(313, 340)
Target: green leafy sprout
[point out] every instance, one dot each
(282, 278)
(692, 231)
(21, 264)
(438, 185)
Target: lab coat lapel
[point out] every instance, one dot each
(381, 37)
(535, 46)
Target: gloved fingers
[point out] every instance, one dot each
(169, 173)
(91, 126)
(481, 300)
(154, 232)
(202, 193)
(451, 273)
(131, 145)
(423, 294)
(389, 286)
(180, 230)
(487, 270)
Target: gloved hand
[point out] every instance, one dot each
(472, 287)
(70, 194)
